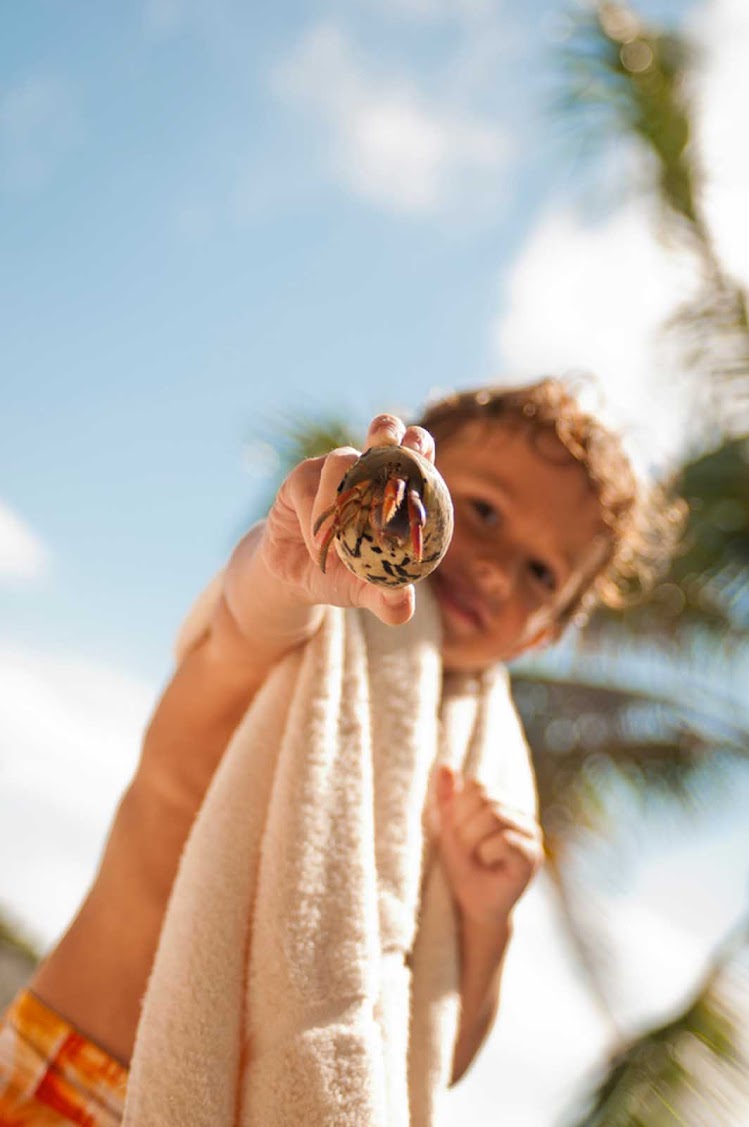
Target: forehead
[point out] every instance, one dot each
(548, 491)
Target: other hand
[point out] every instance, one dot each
(489, 851)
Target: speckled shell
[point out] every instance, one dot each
(391, 562)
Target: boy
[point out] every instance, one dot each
(547, 522)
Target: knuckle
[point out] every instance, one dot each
(341, 458)
(387, 425)
(420, 439)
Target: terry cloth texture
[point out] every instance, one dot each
(50, 1075)
(307, 970)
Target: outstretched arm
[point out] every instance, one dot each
(272, 601)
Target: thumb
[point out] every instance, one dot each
(445, 786)
(396, 605)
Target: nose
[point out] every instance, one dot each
(497, 574)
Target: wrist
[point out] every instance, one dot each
(262, 615)
(489, 934)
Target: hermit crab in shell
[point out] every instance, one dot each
(392, 519)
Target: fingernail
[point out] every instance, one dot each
(394, 598)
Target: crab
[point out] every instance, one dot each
(392, 518)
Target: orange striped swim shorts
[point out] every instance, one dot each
(50, 1075)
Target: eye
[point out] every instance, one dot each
(486, 513)
(543, 574)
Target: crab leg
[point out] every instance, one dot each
(326, 542)
(321, 519)
(416, 519)
(345, 508)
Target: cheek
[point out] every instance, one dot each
(457, 548)
(464, 526)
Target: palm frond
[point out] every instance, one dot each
(620, 718)
(707, 585)
(691, 1070)
(292, 437)
(627, 80)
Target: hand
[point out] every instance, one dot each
(489, 852)
(290, 549)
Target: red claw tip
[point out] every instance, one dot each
(392, 498)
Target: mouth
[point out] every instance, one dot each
(458, 601)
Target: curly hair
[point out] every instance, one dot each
(644, 523)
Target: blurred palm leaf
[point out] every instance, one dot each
(611, 720)
(293, 437)
(298, 437)
(707, 584)
(627, 81)
(694, 1069)
(661, 725)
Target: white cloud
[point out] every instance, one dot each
(70, 732)
(39, 124)
(387, 143)
(722, 97)
(593, 297)
(22, 553)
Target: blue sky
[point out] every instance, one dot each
(213, 215)
(188, 245)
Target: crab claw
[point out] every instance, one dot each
(392, 497)
(416, 519)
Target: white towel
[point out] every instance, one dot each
(307, 969)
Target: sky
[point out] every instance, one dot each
(214, 217)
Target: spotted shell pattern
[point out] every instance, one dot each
(389, 559)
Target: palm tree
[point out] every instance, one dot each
(628, 81)
(657, 715)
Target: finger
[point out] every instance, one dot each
(473, 830)
(393, 606)
(331, 471)
(510, 849)
(513, 817)
(445, 784)
(420, 440)
(516, 821)
(385, 430)
(445, 792)
(469, 805)
(466, 796)
(457, 861)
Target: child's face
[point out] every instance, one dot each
(528, 535)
